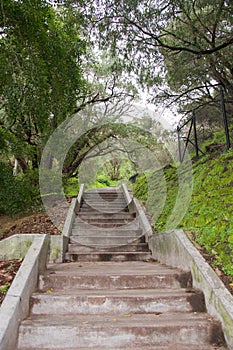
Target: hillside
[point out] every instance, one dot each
(209, 218)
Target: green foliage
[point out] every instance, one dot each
(71, 186)
(103, 180)
(209, 215)
(141, 188)
(193, 39)
(4, 288)
(18, 193)
(40, 71)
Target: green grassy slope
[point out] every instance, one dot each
(209, 217)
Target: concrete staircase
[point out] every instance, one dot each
(105, 230)
(113, 295)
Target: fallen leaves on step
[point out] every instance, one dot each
(48, 291)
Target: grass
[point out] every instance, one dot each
(209, 217)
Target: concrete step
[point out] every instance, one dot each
(134, 247)
(106, 275)
(104, 208)
(105, 330)
(109, 232)
(85, 301)
(107, 256)
(108, 204)
(110, 210)
(146, 347)
(80, 224)
(104, 204)
(111, 242)
(91, 231)
(94, 220)
(106, 216)
(102, 199)
(114, 194)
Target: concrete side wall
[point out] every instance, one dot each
(135, 206)
(15, 247)
(144, 222)
(67, 228)
(175, 249)
(15, 306)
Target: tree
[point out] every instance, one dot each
(192, 79)
(41, 74)
(194, 37)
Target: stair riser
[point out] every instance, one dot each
(107, 282)
(146, 347)
(84, 335)
(125, 248)
(107, 257)
(112, 196)
(97, 227)
(105, 232)
(104, 201)
(118, 225)
(110, 241)
(120, 221)
(120, 216)
(104, 204)
(108, 244)
(64, 305)
(106, 210)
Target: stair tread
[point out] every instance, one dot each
(142, 293)
(136, 244)
(100, 321)
(107, 268)
(174, 346)
(108, 252)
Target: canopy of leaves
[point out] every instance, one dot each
(194, 37)
(40, 70)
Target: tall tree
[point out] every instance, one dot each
(40, 71)
(195, 36)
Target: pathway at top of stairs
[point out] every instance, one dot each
(112, 294)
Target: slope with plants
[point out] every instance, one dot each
(209, 218)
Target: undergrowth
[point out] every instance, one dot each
(209, 216)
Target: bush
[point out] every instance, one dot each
(71, 186)
(18, 193)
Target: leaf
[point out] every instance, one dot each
(85, 322)
(48, 291)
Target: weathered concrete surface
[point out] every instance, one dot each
(174, 346)
(134, 206)
(143, 330)
(133, 247)
(175, 249)
(16, 246)
(104, 220)
(67, 228)
(127, 275)
(86, 301)
(15, 306)
(115, 306)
